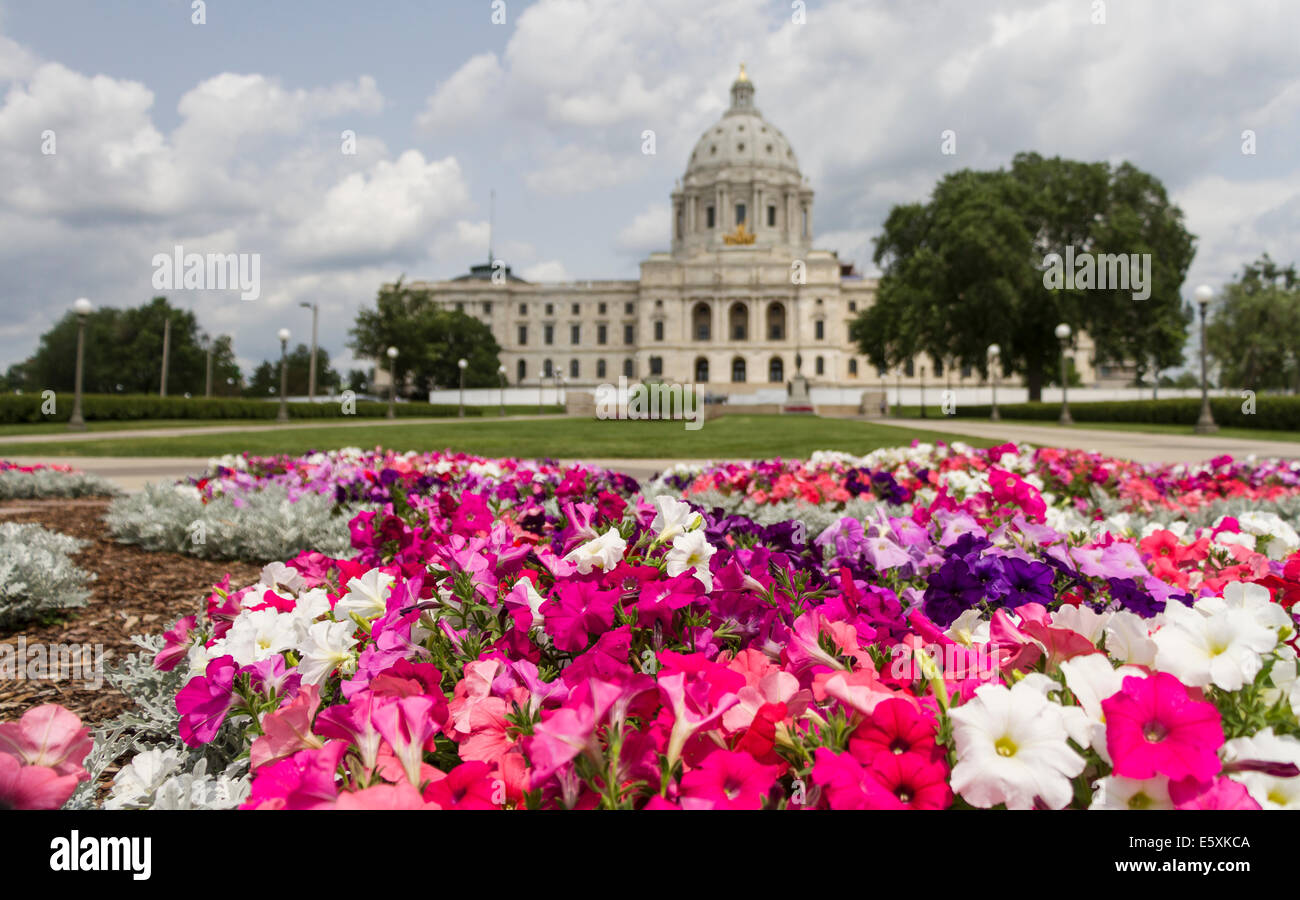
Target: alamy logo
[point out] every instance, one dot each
(1098, 271)
(52, 662)
(181, 271)
(103, 854)
(650, 401)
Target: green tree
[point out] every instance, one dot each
(123, 353)
(429, 341)
(1253, 333)
(266, 377)
(966, 269)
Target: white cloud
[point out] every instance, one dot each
(550, 270)
(647, 232)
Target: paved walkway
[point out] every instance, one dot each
(60, 436)
(1135, 445)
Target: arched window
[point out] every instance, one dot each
(853, 367)
(600, 368)
(738, 322)
(820, 365)
(702, 322)
(701, 370)
(547, 369)
(573, 368)
(938, 367)
(776, 322)
(738, 370)
(776, 370)
(909, 369)
(629, 368)
(521, 371)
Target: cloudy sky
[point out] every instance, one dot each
(227, 136)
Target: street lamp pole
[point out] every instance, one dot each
(461, 364)
(1205, 424)
(501, 373)
(995, 353)
(283, 415)
(392, 382)
(83, 309)
(1063, 335)
(922, 373)
(207, 384)
(167, 345)
(311, 366)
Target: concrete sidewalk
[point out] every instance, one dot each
(191, 430)
(1135, 445)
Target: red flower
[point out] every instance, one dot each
(895, 728)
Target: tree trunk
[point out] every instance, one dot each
(1034, 381)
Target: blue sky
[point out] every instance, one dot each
(226, 136)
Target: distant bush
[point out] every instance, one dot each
(36, 576)
(16, 484)
(1274, 413)
(23, 408)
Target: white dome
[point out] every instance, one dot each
(741, 139)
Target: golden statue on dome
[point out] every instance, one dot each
(741, 235)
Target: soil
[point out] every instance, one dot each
(135, 592)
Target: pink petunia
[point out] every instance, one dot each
(205, 700)
(727, 779)
(48, 735)
(1154, 727)
(33, 787)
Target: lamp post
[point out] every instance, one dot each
(898, 389)
(207, 348)
(541, 384)
(1205, 424)
(167, 344)
(392, 381)
(461, 364)
(995, 353)
(560, 382)
(311, 366)
(284, 375)
(921, 372)
(501, 373)
(83, 308)
(1063, 335)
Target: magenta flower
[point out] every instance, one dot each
(575, 612)
(352, 723)
(305, 780)
(288, 729)
(33, 787)
(177, 644)
(1153, 727)
(205, 700)
(727, 779)
(1217, 793)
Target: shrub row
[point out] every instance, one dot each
(1275, 413)
(22, 408)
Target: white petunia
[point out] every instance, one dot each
(1270, 791)
(367, 596)
(1012, 747)
(1253, 599)
(327, 646)
(1285, 681)
(1115, 792)
(136, 783)
(1222, 648)
(1082, 620)
(260, 635)
(604, 553)
(1092, 679)
(277, 574)
(692, 551)
(969, 629)
(1128, 639)
(674, 517)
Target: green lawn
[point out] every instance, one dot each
(733, 436)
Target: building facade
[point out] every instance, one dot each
(741, 301)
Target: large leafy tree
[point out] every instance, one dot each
(1254, 331)
(123, 353)
(429, 341)
(266, 377)
(965, 270)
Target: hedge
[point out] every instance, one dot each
(1273, 413)
(22, 408)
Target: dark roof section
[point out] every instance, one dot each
(483, 272)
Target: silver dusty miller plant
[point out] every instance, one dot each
(37, 577)
(15, 485)
(262, 525)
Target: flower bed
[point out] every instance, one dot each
(501, 641)
(37, 577)
(38, 481)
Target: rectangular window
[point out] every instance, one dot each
(460, 307)
(819, 330)
(628, 332)
(628, 308)
(575, 334)
(853, 367)
(523, 309)
(853, 306)
(548, 334)
(740, 214)
(821, 366)
(771, 217)
(573, 368)
(659, 330)
(601, 309)
(523, 335)
(487, 307)
(708, 216)
(600, 368)
(600, 334)
(576, 310)
(550, 309)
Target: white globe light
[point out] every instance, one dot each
(462, 363)
(83, 306)
(994, 349)
(392, 353)
(501, 369)
(283, 335)
(1062, 332)
(1204, 294)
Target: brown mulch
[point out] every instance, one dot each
(135, 592)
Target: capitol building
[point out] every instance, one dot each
(740, 303)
